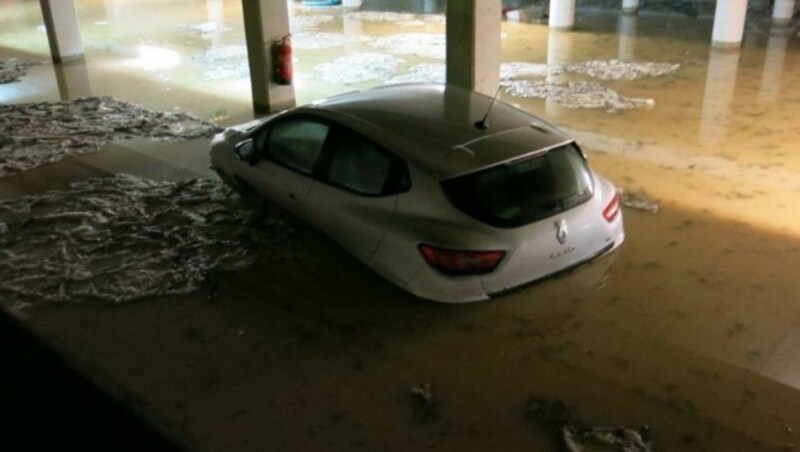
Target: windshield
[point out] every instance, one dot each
(524, 191)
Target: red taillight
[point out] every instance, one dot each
(612, 209)
(457, 262)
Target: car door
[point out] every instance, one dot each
(290, 148)
(356, 195)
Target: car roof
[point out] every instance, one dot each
(433, 126)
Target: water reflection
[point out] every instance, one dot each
(774, 63)
(559, 51)
(216, 15)
(718, 96)
(626, 29)
(72, 79)
(113, 10)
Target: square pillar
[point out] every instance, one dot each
(63, 32)
(630, 6)
(562, 15)
(729, 24)
(473, 45)
(265, 22)
(782, 12)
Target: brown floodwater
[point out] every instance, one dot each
(692, 327)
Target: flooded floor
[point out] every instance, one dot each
(692, 328)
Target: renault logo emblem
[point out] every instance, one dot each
(561, 231)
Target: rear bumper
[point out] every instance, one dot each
(605, 250)
(432, 285)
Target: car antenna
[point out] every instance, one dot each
(482, 125)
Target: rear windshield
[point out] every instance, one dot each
(524, 191)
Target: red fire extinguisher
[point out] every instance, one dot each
(282, 57)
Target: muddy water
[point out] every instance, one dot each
(691, 328)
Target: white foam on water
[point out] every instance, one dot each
(311, 40)
(622, 70)
(125, 238)
(357, 68)
(576, 95)
(426, 45)
(47, 132)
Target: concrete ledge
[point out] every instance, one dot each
(630, 11)
(566, 28)
(786, 22)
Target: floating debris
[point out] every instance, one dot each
(299, 23)
(204, 28)
(424, 403)
(518, 69)
(556, 417)
(12, 70)
(576, 95)
(46, 132)
(622, 70)
(357, 68)
(309, 40)
(624, 439)
(422, 73)
(638, 201)
(222, 54)
(435, 72)
(224, 61)
(377, 16)
(426, 45)
(125, 238)
(435, 18)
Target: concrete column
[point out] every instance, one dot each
(473, 45)
(266, 21)
(782, 12)
(626, 28)
(63, 31)
(562, 14)
(718, 96)
(630, 6)
(774, 63)
(729, 23)
(72, 79)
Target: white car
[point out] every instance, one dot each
(446, 193)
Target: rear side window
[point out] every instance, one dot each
(359, 165)
(297, 143)
(525, 191)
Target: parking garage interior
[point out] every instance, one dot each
(687, 337)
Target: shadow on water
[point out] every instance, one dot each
(53, 407)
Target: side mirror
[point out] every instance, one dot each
(246, 151)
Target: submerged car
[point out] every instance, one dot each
(447, 193)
